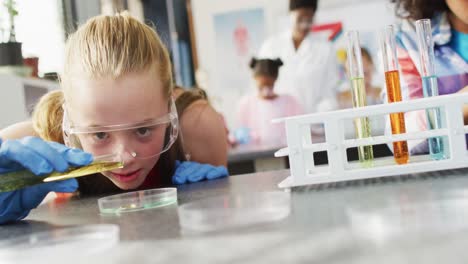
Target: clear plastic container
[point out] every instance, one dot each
(58, 244)
(231, 211)
(138, 200)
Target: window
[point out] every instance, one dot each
(39, 26)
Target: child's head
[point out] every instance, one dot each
(419, 9)
(265, 73)
(117, 86)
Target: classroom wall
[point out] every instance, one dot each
(361, 15)
(366, 16)
(86, 9)
(203, 11)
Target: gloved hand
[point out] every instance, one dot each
(242, 135)
(189, 171)
(40, 157)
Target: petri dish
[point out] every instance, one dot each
(232, 211)
(55, 244)
(138, 200)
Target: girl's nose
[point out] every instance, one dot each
(126, 154)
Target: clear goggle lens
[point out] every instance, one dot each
(142, 140)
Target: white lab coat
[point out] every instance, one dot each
(310, 74)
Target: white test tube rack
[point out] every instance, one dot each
(300, 147)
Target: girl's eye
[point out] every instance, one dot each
(144, 131)
(100, 136)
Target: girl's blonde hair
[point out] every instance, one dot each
(47, 117)
(107, 47)
(112, 46)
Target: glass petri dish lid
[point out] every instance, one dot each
(138, 200)
(231, 211)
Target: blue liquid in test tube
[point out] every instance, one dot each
(437, 146)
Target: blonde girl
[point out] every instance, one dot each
(116, 97)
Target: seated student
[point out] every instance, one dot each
(255, 112)
(372, 92)
(196, 96)
(450, 33)
(116, 98)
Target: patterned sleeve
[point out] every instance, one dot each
(411, 87)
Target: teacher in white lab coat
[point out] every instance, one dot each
(310, 71)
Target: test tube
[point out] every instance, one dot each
(358, 91)
(392, 81)
(429, 85)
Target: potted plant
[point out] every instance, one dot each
(10, 52)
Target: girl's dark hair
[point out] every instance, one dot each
(419, 9)
(265, 67)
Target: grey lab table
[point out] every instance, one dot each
(421, 218)
(254, 158)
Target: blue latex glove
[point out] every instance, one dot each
(189, 171)
(242, 135)
(40, 157)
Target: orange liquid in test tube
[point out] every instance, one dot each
(400, 148)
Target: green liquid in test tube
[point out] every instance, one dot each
(437, 147)
(358, 90)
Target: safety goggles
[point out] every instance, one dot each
(141, 140)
